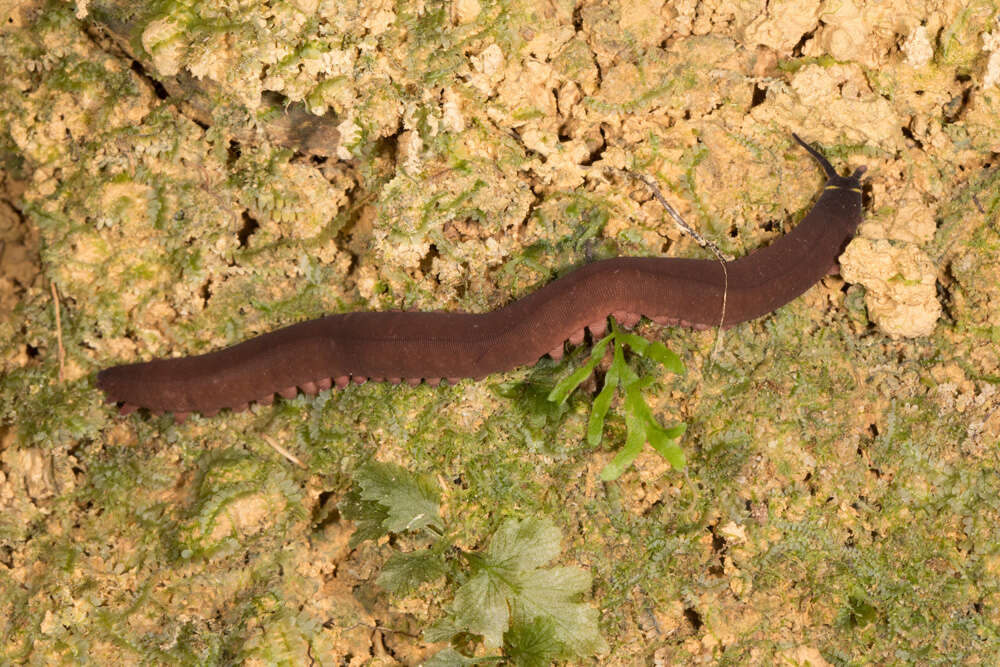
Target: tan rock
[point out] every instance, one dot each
(900, 279)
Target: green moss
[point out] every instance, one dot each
(959, 41)
(793, 65)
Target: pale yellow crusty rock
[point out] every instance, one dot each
(991, 44)
(465, 11)
(800, 656)
(784, 24)
(912, 220)
(900, 280)
(918, 48)
(643, 21)
(869, 33)
(823, 97)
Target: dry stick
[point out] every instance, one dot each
(979, 206)
(700, 240)
(62, 352)
(284, 452)
(688, 229)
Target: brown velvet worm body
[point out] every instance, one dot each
(430, 346)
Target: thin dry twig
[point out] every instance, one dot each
(59, 337)
(284, 452)
(700, 240)
(681, 222)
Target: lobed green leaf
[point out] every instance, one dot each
(389, 498)
(449, 657)
(508, 591)
(369, 518)
(524, 544)
(533, 644)
(404, 572)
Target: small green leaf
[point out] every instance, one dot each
(599, 410)
(369, 518)
(634, 402)
(565, 387)
(654, 350)
(533, 644)
(614, 374)
(661, 440)
(639, 420)
(600, 345)
(553, 594)
(403, 500)
(634, 440)
(626, 376)
(404, 572)
(561, 391)
(637, 343)
(524, 544)
(595, 426)
(675, 432)
(508, 589)
(480, 605)
(657, 351)
(442, 630)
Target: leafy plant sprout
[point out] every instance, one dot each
(640, 424)
(504, 597)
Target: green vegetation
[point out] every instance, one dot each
(503, 596)
(641, 426)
